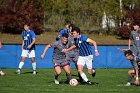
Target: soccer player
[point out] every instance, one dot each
(1, 72)
(134, 38)
(135, 61)
(28, 48)
(85, 53)
(59, 57)
(64, 30)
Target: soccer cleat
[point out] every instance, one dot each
(56, 81)
(18, 71)
(94, 73)
(34, 72)
(2, 73)
(128, 84)
(89, 83)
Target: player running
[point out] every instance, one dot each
(85, 53)
(28, 48)
(59, 57)
(135, 61)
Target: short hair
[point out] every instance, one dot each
(65, 35)
(67, 22)
(128, 52)
(76, 29)
(28, 24)
(71, 25)
(136, 22)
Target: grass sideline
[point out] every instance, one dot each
(108, 81)
(48, 37)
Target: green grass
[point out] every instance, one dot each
(48, 37)
(108, 82)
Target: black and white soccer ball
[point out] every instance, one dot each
(73, 82)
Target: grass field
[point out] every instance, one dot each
(107, 81)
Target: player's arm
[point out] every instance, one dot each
(0, 44)
(33, 42)
(45, 50)
(94, 44)
(70, 48)
(129, 43)
(22, 44)
(137, 77)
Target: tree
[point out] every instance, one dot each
(15, 13)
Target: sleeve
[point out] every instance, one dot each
(22, 35)
(84, 38)
(33, 34)
(131, 35)
(54, 44)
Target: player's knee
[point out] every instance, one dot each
(129, 72)
(58, 72)
(80, 71)
(90, 72)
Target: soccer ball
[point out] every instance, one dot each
(73, 82)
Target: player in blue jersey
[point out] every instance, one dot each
(135, 61)
(64, 30)
(59, 57)
(28, 48)
(85, 53)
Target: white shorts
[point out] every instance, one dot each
(28, 53)
(85, 60)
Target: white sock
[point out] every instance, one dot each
(84, 77)
(34, 65)
(21, 65)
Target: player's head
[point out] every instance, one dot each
(71, 26)
(76, 32)
(136, 24)
(67, 23)
(64, 38)
(129, 55)
(27, 26)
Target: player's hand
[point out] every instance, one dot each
(65, 50)
(137, 82)
(97, 53)
(42, 56)
(29, 46)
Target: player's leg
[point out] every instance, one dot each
(32, 57)
(21, 64)
(80, 64)
(89, 60)
(57, 72)
(68, 72)
(23, 56)
(80, 78)
(33, 65)
(130, 76)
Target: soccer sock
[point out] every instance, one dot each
(56, 76)
(84, 77)
(129, 78)
(21, 65)
(34, 66)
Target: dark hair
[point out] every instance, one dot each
(76, 29)
(28, 24)
(71, 25)
(67, 23)
(65, 35)
(136, 22)
(127, 52)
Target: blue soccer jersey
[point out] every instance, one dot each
(28, 38)
(84, 47)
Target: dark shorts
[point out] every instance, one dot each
(60, 63)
